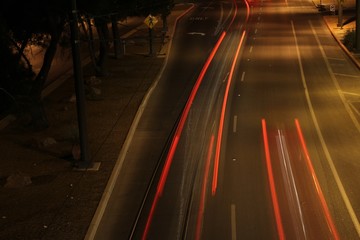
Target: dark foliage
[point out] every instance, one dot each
(42, 23)
(349, 40)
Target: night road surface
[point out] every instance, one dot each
(266, 143)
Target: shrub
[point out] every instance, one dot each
(349, 39)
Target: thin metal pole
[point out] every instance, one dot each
(357, 27)
(340, 14)
(79, 90)
(150, 41)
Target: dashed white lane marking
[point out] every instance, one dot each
(235, 124)
(233, 222)
(243, 76)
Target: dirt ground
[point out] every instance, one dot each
(42, 195)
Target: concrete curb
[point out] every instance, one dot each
(355, 61)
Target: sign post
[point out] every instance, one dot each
(340, 14)
(150, 21)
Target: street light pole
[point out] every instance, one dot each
(357, 27)
(340, 13)
(79, 90)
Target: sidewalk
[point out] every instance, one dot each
(42, 196)
(339, 33)
(349, 84)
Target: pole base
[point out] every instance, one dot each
(84, 166)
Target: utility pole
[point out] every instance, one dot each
(116, 37)
(85, 161)
(150, 41)
(340, 13)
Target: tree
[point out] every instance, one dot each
(12, 70)
(98, 12)
(42, 22)
(34, 22)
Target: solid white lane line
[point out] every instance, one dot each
(235, 124)
(348, 108)
(322, 141)
(233, 222)
(333, 78)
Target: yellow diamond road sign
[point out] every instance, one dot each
(150, 21)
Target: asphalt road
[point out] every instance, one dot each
(267, 147)
(195, 35)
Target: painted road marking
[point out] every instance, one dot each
(235, 124)
(345, 75)
(243, 76)
(275, 202)
(321, 138)
(233, 222)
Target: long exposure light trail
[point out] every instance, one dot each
(178, 132)
(274, 198)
